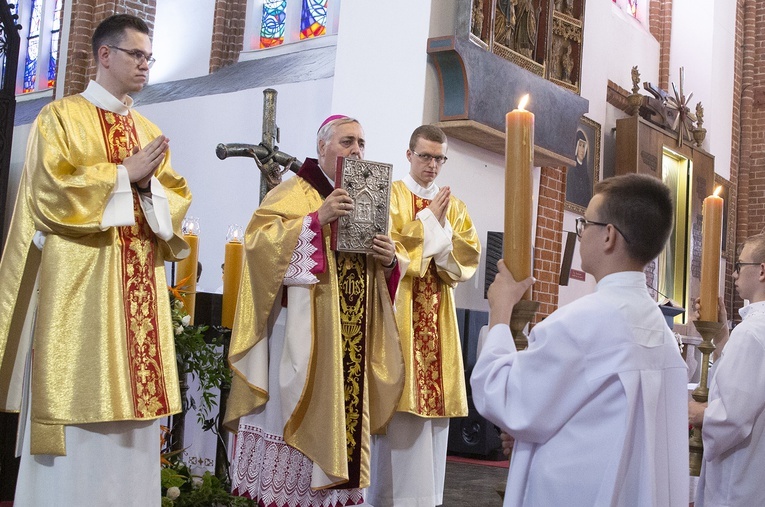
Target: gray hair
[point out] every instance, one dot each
(326, 131)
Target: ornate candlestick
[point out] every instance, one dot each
(709, 330)
(522, 314)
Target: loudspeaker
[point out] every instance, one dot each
(472, 435)
(493, 255)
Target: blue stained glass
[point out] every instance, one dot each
(55, 34)
(313, 18)
(272, 26)
(33, 41)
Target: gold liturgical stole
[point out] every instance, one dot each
(426, 300)
(351, 277)
(139, 285)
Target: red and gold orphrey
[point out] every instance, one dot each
(139, 285)
(427, 367)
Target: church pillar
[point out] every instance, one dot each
(228, 33)
(660, 20)
(748, 146)
(86, 15)
(548, 244)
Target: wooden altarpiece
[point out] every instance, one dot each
(642, 147)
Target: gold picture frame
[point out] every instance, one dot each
(581, 178)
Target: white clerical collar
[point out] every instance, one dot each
(752, 309)
(623, 278)
(102, 98)
(419, 190)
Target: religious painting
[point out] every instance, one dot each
(582, 177)
(520, 32)
(729, 218)
(480, 22)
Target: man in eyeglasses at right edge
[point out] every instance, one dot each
(733, 422)
(441, 248)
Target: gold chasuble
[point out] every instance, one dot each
(425, 309)
(102, 336)
(352, 375)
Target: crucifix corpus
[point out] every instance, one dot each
(272, 162)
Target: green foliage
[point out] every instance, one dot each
(201, 359)
(196, 491)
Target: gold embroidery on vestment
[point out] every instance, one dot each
(138, 283)
(426, 301)
(353, 294)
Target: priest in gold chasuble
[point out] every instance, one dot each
(86, 340)
(315, 351)
(441, 246)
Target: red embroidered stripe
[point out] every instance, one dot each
(138, 284)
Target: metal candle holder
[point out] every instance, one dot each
(709, 330)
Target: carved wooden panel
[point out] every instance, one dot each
(641, 148)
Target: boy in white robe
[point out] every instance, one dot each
(733, 423)
(597, 404)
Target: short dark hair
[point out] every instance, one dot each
(427, 132)
(641, 208)
(111, 30)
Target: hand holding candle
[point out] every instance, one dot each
(519, 161)
(711, 242)
(232, 274)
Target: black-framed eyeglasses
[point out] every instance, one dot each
(138, 55)
(737, 265)
(582, 222)
(440, 159)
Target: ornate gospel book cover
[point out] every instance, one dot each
(368, 184)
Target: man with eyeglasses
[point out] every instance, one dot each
(733, 421)
(440, 248)
(86, 341)
(597, 404)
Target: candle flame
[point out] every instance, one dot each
(523, 102)
(234, 234)
(190, 226)
(717, 191)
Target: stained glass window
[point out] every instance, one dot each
(272, 27)
(55, 33)
(313, 19)
(33, 47)
(630, 6)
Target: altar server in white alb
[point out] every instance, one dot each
(733, 423)
(598, 403)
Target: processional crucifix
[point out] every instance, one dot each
(272, 162)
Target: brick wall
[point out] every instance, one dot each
(228, 33)
(747, 143)
(548, 243)
(86, 14)
(660, 24)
